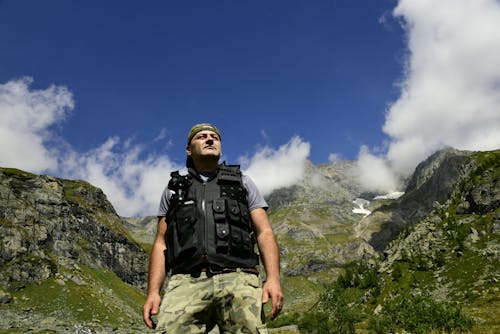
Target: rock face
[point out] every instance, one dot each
(47, 223)
(52, 230)
(433, 181)
(469, 213)
(319, 234)
(458, 241)
(143, 229)
(446, 250)
(315, 224)
(335, 184)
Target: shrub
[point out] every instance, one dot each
(316, 323)
(342, 307)
(418, 314)
(359, 275)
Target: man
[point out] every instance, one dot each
(209, 221)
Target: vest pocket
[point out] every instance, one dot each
(219, 208)
(222, 237)
(234, 210)
(181, 235)
(232, 228)
(241, 242)
(184, 235)
(221, 225)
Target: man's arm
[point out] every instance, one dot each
(271, 258)
(156, 276)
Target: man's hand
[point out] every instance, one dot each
(271, 258)
(272, 289)
(156, 275)
(151, 307)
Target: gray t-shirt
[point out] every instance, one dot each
(255, 199)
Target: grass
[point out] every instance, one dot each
(487, 312)
(82, 296)
(19, 174)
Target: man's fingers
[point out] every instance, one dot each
(265, 298)
(147, 311)
(276, 296)
(146, 317)
(277, 305)
(276, 309)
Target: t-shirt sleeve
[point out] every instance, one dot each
(255, 198)
(164, 202)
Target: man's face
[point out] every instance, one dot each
(205, 143)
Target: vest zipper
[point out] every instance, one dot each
(205, 227)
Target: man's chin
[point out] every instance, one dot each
(211, 154)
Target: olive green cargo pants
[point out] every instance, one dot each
(232, 301)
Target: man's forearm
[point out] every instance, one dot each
(271, 258)
(156, 274)
(267, 243)
(157, 270)
(270, 254)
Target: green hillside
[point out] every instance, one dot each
(427, 262)
(440, 275)
(81, 300)
(67, 264)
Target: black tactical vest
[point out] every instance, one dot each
(209, 222)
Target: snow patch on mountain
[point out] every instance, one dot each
(393, 195)
(360, 206)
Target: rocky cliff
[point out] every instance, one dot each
(60, 232)
(438, 269)
(433, 182)
(69, 263)
(315, 225)
(468, 214)
(452, 252)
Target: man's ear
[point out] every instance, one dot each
(188, 149)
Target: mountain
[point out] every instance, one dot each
(450, 247)
(316, 229)
(432, 183)
(69, 263)
(436, 260)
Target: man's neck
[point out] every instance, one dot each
(203, 168)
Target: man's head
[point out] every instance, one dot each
(199, 127)
(203, 147)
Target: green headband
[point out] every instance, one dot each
(200, 127)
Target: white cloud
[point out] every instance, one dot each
(27, 141)
(450, 94)
(271, 169)
(132, 184)
(375, 172)
(132, 181)
(25, 120)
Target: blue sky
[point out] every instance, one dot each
(262, 71)
(107, 90)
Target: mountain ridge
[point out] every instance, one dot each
(62, 241)
(61, 246)
(439, 267)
